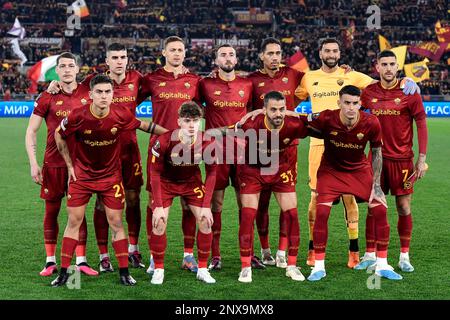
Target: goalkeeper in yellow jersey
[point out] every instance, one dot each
(322, 86)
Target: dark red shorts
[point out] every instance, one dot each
(192, 191)
(252, 181)
(292, 154)
(225, 174)
(54, 183)
(130, 159)
(331, 184)
(394, 177)
(111, 192)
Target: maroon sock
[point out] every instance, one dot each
(101, 227)
(381, 227)
(203, 248)
(262, 219)
(404, 228)
(158, 249)
(293, 235)
(370, 232)
(51, 227)
(67, 249)
(246, 231)
(284, 225)
(121, 251)
(216, 229)
(188, 223)
(133, 217)
(320, 234)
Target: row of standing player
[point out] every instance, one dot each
(169, 90)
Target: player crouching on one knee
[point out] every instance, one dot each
(175, 171)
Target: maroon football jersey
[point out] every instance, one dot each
(97, 148)
(226, 102)
(167, 94)
(286, 80)
(396, 112)
(125, 97)
(292, 128)
(344, 148)
(179, 162)
(54, 108)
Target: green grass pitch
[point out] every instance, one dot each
(22, 251)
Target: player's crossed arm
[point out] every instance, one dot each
(151, 127)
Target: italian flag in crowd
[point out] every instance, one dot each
(42, 71)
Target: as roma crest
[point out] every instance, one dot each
(340, 82)
(397, 101)
(114, 130)
(285, 79)
(241, 93)
(360, 135)
(131, 87)
(83, 101)
(187, 85)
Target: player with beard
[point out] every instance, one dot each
(322, 86)
(396, 114)
(273, 77)
(227, 99)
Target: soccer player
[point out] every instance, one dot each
(345, 169)
(273, 77)
(96, 169)
(126, 87)
(174, 171)
(169, 87)
(227, 99)
(396, 113)
(322, 86)
(274, 134)
(53, 175)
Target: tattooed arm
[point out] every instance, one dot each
(31, 145)
(377, 164)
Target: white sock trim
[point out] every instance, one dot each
(104, 255)
(81, 259)
(281, 253)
